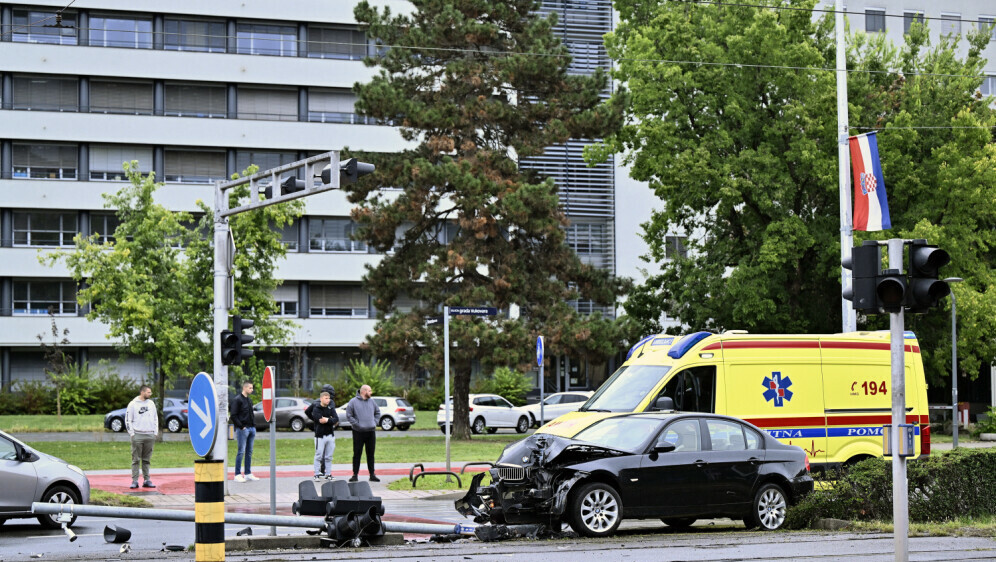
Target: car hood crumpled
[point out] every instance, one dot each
(542, 450)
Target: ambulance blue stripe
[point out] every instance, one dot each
(809, 432)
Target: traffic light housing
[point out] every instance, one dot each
(890, 290)
(865, 263)
(925, 289)
(233, 351)
(349, 171)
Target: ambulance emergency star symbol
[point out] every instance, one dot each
(776, 388)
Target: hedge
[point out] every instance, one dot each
(959, 483)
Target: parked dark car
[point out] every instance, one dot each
(175, 416)
(678, 467)
(288, 412)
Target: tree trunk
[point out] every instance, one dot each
(461, 412)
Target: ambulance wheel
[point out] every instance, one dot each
(769, 508)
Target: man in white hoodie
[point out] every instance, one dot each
(142, 422)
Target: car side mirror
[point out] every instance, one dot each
(664, 447)
(664, 403)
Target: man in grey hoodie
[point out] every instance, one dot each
(142, 423)
(363, 413)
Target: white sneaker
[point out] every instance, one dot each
(252, 477)
(240, 478)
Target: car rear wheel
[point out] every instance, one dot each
(297, 424)
(479, 426)
(117, 425)
(595, 510)
(174, 425)
(387, 423)
(678, 522)
(522, 426)
(769, 508)
(60, 495)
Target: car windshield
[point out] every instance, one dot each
(625, 434)
(626, 388)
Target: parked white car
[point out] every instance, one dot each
(490, 412)
(395, 412)
(557, 405)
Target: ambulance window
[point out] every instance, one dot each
(693, 390)
(625, 389)
(753, 439)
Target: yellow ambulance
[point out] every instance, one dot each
(828, 394)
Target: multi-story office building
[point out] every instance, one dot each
(196, 91)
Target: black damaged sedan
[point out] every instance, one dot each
(678, 467)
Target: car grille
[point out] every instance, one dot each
(511, 473)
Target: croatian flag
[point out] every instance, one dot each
(871, 207)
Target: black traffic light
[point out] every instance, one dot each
(290, 184)
(349, 171)
(233, 351)
(865, 263)
(925, 290)
(890, 289)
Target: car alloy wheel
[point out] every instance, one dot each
(478, 426)
(60, 495)
(174, 425)
(297, 424)
(770, 507)
(522, 426)
(387, 423)
(596, 510)
(117, 425)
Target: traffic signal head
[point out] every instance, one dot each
(349, 171)
(925, 287)
(865, 263)
(890, 289)
(288, 185)
(233, 351)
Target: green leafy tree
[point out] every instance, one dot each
(742, 151)
(506, 383)
(377, 375)
(152, 282)
(475, 85)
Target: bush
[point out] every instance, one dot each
(961, 483)
(988, 425)
(376, 375)
(74, 390)
(34, 397)
(112, 391)
(507, 383)
(424, 397)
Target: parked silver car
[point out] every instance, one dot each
(28, 476)
(394, 412)
(289, 412)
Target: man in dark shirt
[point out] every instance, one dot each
(245, 431)
(311, 408)
(325, 419)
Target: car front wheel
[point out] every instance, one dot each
(174, 425)
(387, 423)
(522, 426)
(769, 508)
(297, 424)
(479, 426)
(117, 425)
(60, 495)
(596, 510)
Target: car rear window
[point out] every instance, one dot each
(404, 403)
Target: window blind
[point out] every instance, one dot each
(121, 97)
(268, 104)
(337, 296)
(45, 93)
(331, 101)
(194, 166)
(286, 292)
(109, 158)
(192, 100)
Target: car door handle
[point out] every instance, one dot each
(754, 460)
(700, 463)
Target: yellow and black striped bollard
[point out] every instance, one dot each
(209, 510)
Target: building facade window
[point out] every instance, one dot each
(950, 24)
(107, 161)
(194, 166)
(336, 43)
(45, 93)
(333, 235)
(32, 26)
(338, 301)
(988, 86)
(909, 18)
(194, 35)
(267, 104)
(675, 247)
(103, 226)
(44, 228)
(591, 242)
(45, 161)
(332, 106)
(120, 31)
(289, 236)
(44, 297)
(195, 100)
(987, 24)
(126, 97)
(874, 20)
(263, 39)
(285, 297)
(265, 159)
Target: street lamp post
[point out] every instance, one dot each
(954, 364)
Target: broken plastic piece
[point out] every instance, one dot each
(116, 535)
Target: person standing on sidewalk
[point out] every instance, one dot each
(245, 432)
(142, 422)
(311, 408)
(362, 414)
(323, 413)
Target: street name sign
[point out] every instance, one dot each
(203, 421)
(473, 311)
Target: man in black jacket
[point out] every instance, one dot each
(311, 408)
(325, 419)
(245, 431)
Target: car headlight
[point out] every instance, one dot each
(76, 469)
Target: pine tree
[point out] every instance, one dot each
(475, 85)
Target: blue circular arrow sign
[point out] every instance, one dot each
(202, 419)
(539, 350)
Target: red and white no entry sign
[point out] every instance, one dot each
(268, 393)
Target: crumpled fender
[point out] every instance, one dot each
(472, 504)
(563, 489)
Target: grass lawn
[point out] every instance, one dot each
(100, 497)
(961, 527)
(437, 482)
(173, 454)
(425, 419)
(28, 424)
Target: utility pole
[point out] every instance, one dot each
(848, 316)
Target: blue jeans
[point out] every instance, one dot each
(244, 437)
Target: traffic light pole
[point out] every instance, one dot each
(848, 315)
(222, 262)
(900, 503)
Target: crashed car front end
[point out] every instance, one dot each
(530, 482)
